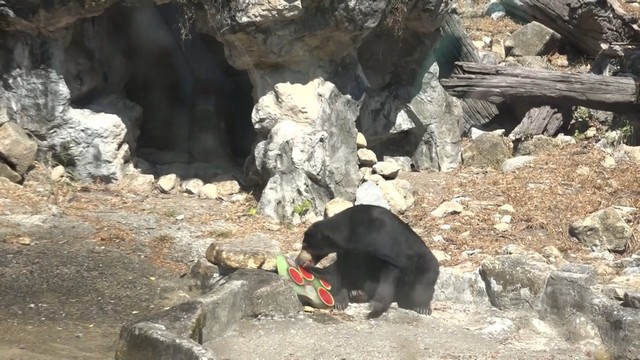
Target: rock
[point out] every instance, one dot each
(192, 186)
(536, 145)
(533, 39)
(460, 284)
(632, 153)
(386, 169)
(609, 162)
(447, 208)
(441, 118)
(257, 251)
(226, 185)
(361, 141)
(487, 149)
(516, 163)
(8, 173)
(552, 253)
(367, 157)
(209, 191)
(501, 226)
(370, 193)
(57, 173)
(441, 256)
(404, 188)
(269, 295)
(147, 340)
(393, 196)
(566, 293)
(203, 272)
(310, 154)
(139, 183)
(506, 209)
(365, 173)
(335, 206)
(605, 229)
(185, 326)
(16, 147)
(512, 249)
(515, 281)
(167, 183)
(92, 139)
(495, 10)
(632, 300)
(404, 162)
(377, 179)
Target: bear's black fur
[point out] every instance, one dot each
(378, 254)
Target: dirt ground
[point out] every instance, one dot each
(100, 256)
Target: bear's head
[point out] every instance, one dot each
(316, 245)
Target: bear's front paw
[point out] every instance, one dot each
(341, 300)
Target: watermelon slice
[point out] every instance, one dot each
(307, 275)
(295, 275)
(325, 297)
(325, 284)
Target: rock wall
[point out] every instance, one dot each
(93, 86)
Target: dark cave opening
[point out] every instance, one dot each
(196, 108)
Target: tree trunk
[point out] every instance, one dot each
(456, 46)
(584, 23)
(543, 87)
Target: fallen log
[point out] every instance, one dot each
(456, 45)
(584, 23)
(542, 120)
(543, 87)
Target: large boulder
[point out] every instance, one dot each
(310, 153)
(91, 142)
(605, 229)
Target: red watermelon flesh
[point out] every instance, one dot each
(325, 296)
(325, 284)
(295, 275)
(305, 274)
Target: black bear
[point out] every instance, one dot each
(377, 254)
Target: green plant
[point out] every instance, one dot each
(302, 208)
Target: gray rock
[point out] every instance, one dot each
(16, 147)
(207, 317)
(536, 145)
(632, 300)
(517, 162)
(604, 229)
(533, 39)
(310, 154)
(403, 161)
(369, 193)
(367, 157)
(146, 340)
(8, 173)
(487, 150)
(387, 170)
(566, 293)
(440, 115)
(460, 285)
(268, 294)
(515, 281)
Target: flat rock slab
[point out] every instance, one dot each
(257, 251)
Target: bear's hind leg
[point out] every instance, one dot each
(385, 292)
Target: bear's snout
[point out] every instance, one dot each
(305, 259)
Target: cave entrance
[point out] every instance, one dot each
(196, 106)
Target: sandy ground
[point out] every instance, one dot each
(450, 333)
